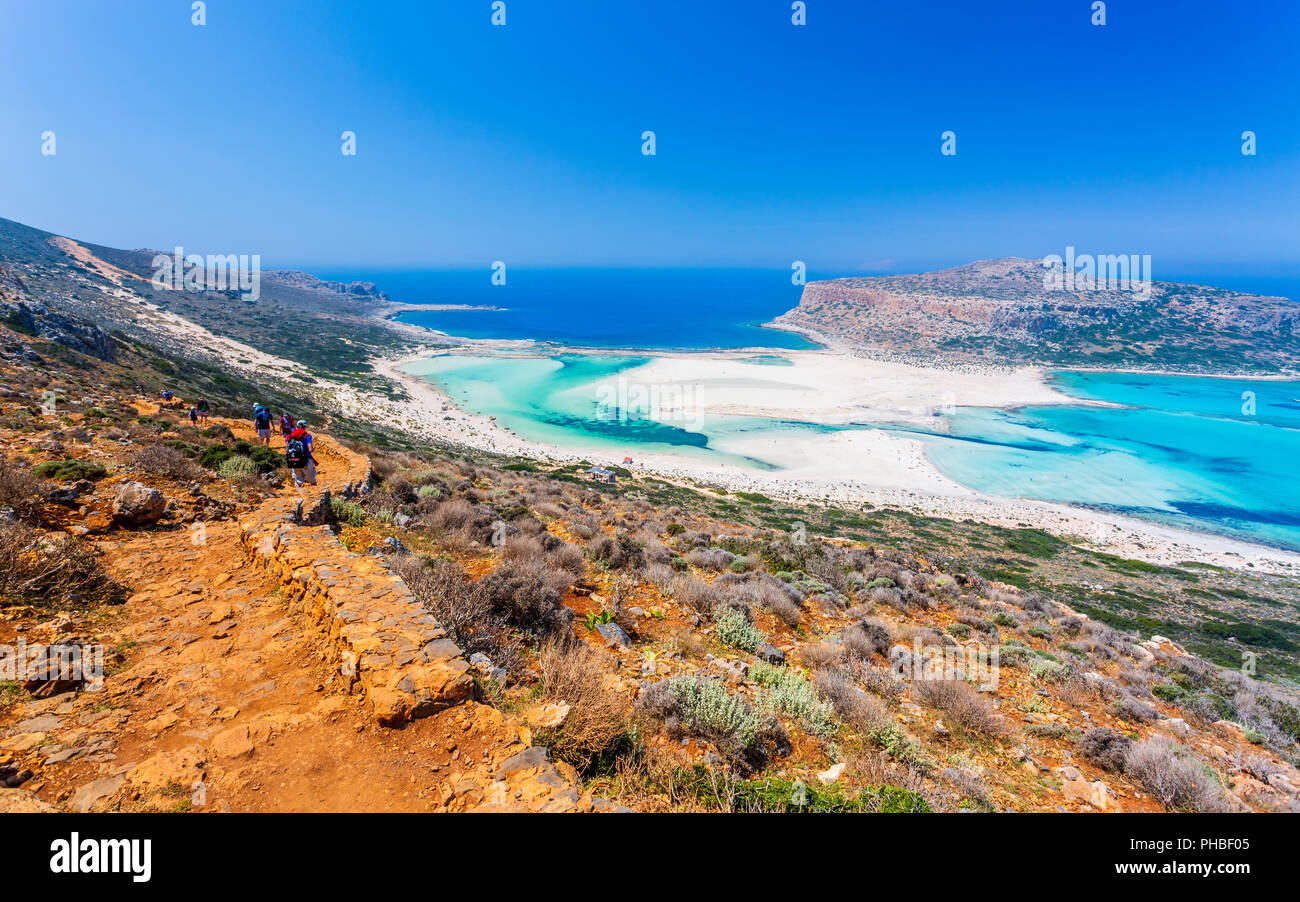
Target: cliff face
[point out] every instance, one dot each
(1010, 310)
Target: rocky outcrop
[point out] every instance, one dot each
(22, 314)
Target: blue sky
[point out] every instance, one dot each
(775, 143)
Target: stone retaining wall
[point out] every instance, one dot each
(372, 625)
(375, 629)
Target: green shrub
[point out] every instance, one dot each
(1003, 618)
(959, 630)
(264, 459)
(347, 512)
(69, 470)
(733, 628)
(1048, 670)
(1168, 691)
(213, 456)
(777, 795)
(790, 694)
(1014, 653)
(187, 448)
(1047, 730)
(237, 466)
(898, 745)
(708, 710)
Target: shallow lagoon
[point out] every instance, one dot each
(1184, 450)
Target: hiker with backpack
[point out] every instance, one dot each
(194, 415)
(298, 455)
(203, 408)
(286, 426)
(262, 423)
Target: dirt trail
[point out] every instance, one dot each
(226, 698)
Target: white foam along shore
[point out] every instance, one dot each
(842, 467)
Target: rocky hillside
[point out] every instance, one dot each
(426, 631)
(1000, 311)
(322, 326)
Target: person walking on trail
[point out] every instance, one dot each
(203, 408)
(298, 455)
(194, 415)
(262, 423)
(286, 425)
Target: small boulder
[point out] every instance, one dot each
(546, 715)
(138, 505)
(613, 635)
(771, 654)
(831, 774)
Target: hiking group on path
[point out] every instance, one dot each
(297, 443)
(298, 454)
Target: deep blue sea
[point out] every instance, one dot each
(603, 308)
(1219, 455)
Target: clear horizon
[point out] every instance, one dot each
(774, 142)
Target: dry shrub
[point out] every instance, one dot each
(866, 638)
(524, 550)
(863, 713)
(52, 572)
(529, 596)
(162, 460)
(821, 655)
(20, 491)
(461, 607)
(1105, 748)
(1174, 778)
(877, 680)
(452, 515)
(569, 558)
(595, 724)
(709, 558)
(618, 552)
(694, 593)
(769, 596)
(877, 769)
(963, 705)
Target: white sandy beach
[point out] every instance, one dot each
(847, 467)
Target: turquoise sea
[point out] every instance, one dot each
(1218, 455)
(1214, 454)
